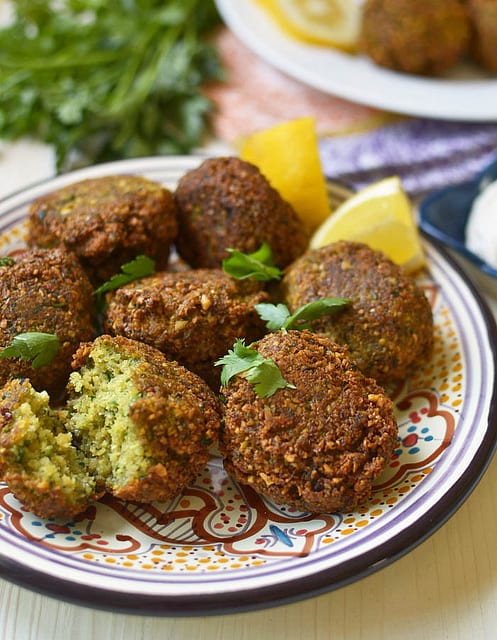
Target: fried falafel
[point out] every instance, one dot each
(484, 21)
(388, 325)
(422, 37)
(319, 446)
(135, 425)
(46, 291)
(107, 222)
(226, 203)
(192, 316)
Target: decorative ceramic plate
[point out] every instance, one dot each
(219, 547)
(467, 93)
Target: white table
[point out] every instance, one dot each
(445, 588)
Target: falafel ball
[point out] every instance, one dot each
(38, 460)
(107, 222)
(135, 425)
(387, 326)
(319, 446)
(484, 21)
(191, 316)
(227, 203)
(422, 37)
(45, 291)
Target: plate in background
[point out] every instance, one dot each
(467, 94)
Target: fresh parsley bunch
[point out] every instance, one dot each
(107, 79)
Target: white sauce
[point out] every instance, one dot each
(481, 228)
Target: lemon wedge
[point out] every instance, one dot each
(381, 216)
(334, 23)
(288, 156)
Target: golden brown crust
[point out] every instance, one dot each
(191, 316)
(227, 203)
(422, 37)
(388, 326)
(318, 447)
(45, 290)
(107, 222)
(176, 419)
(484, 21)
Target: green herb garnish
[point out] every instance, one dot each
(139, 267)
(261, 372)
(278, 316)
(6, 261)
(108, 79)
(258, 265)
(39, 348)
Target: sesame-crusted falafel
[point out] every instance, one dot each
(192, 316)
(227, 203)
(107, 222)
(46, 291)
(319, 446)
(388, 325)
(135, 425)
(422, 37)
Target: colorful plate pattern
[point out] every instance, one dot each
(220, 547)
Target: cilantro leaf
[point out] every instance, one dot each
(139, 267)
(266, 378)
(279, 317)
(104, 80)
(258, 265)
(6, 261)
(40, 348)
(275, 315)
(263, 373)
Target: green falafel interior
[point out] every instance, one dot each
(134, 425)
(101, 394)
(37, 454)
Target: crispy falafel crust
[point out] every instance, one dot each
(422, 37)
(191, 316)
(227, 203)
(388, 326)
(484, 21)
(174, 414)
(318, 447)
(107, 222)
(45, 290)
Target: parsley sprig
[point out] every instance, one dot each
(262, 373)
(38, 347)
(258, 265)
(278, 316)
(108, 79)
(139, 267)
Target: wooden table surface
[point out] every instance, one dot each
(444, 588)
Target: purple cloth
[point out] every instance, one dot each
(425, 154)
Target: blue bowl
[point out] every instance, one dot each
(444, 213)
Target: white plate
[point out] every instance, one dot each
(219, 547)
(468, 94)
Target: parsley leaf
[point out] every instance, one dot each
(263, 373)
(39, 348)
(139, 267)
(258, 265)
(278, 316)
(6, 261)
(103, 80)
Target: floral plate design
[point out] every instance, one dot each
(219, 547)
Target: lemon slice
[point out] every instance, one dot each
(381, 216)
(288, 155)
(328, 22)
